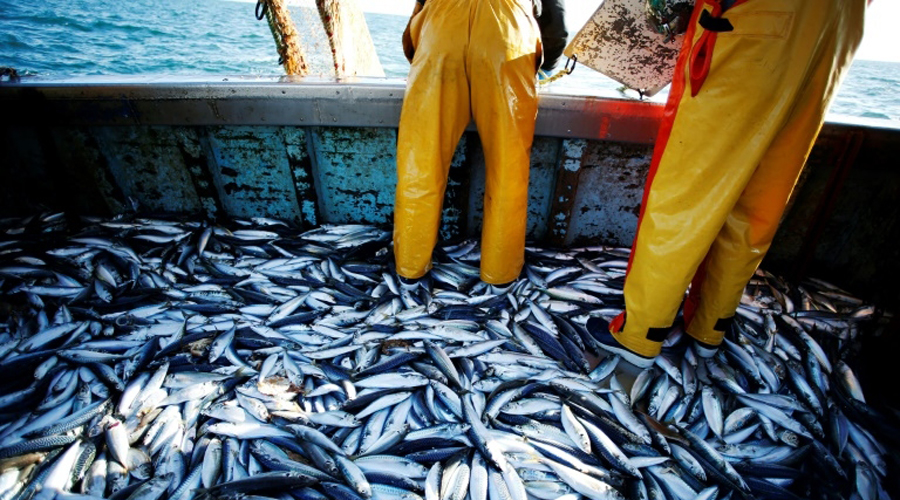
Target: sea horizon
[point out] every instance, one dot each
(222, 37)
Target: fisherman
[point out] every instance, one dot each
(471, 59)
(752, 84)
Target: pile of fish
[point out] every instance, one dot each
(168, 358)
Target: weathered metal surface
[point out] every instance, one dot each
(842, 163)
(615, 120)
(563, 200)
(147, 166)
(24, 164)
(355, 174)
(252, 173)
(620, 42)
(194, 151)
(611, 184)
(545, 153)
(288, 101)
(457, 193)
(324, 152)
(301, 162)
(87, 178)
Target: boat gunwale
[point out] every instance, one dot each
(308, 101)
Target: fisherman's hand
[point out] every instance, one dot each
(669, 17)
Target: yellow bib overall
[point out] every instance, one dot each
(473, 59)
(744, 110)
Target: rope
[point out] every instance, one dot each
(327, 22)
(352, 48)
(567, 70)
(287, 40)
(552, 78)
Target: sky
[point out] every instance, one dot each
(881, 41)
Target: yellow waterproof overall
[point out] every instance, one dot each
(473, 59)
(744, 111)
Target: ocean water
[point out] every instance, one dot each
(185, 37)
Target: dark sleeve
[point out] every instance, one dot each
(554, 36)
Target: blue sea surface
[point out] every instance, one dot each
(222, 37)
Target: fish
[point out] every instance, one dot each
(196, 359)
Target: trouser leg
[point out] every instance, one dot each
(750, 227)
(502, 66)
(732, 94)
(436, 111)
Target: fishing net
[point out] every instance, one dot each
(321, 37)
(313, 38)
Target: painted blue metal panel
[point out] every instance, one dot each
(252, 173)
(194, 149)
(79, 151)
(607, 204)
(566, 188)
(147, 165)
(541, 184)
(476, 189)
(54, 158)
(300, 161)
(356, 174)
(453, 214)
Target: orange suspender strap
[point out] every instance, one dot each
(700, 62)
(701, 54)
(668, 119)
(662, 139)
(685, 56)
